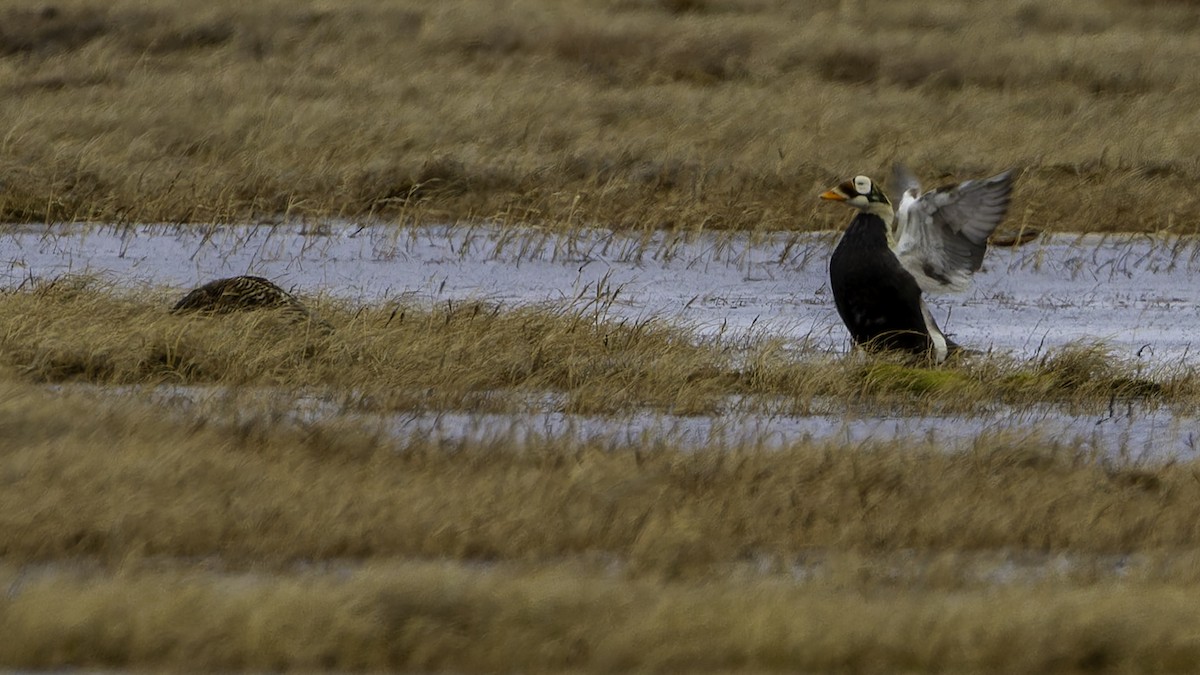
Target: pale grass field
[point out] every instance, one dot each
(138, 538)
(417, 355)
(136, 535)
(435, 617)
(623, 113)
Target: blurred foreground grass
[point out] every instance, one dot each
(137, 536)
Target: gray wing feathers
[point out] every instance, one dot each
(973, 208)
(944, 233)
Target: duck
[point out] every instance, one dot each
(888, 258)
(247, 293)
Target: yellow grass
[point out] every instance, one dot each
(140, 537)
(629, 113)
(444, 617)
(481, 356)
(135, 480)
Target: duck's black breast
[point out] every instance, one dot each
(878, 300)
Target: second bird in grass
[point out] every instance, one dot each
(246, 293)
(886, 259)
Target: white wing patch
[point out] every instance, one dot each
(941, 236)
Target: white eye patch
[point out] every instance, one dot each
(862, 184)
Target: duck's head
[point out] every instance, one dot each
(861, 193)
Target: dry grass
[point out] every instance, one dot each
(138, 538)
(111, 482)
(395, 356)
(479, 356)
(630, 113)
(442, 617)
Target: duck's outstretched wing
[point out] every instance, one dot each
(942, 235)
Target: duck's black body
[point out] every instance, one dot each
(878, 300)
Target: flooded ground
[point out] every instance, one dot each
(1127, 430)
(1136, 294)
